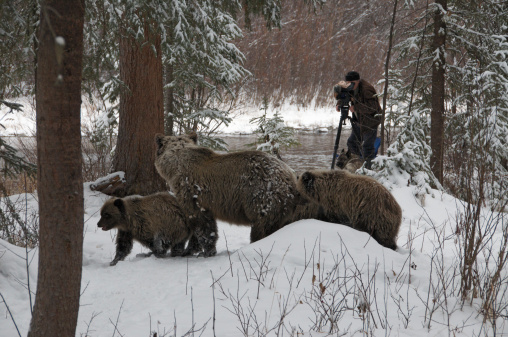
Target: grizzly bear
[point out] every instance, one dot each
(364, 202)
(349, 161)
(156, 221)
(249, 188)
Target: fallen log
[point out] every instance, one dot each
(113, 184)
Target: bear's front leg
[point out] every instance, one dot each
(178, 249)
(158, 248)
(193, 246)
(123, 246)
(206, 233)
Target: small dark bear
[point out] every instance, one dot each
(349, 161)
(249, 188)
(366, 203)
(156, 221)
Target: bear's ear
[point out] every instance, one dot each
(158, 140)
(193, 136)
(308, 180)
(120, 205)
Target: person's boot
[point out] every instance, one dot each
(368, 164)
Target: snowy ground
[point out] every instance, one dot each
(281, 284)
(307, 279)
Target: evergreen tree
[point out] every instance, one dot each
(273, 133)
(18, 28)
(478, 82)
(202, 64)
(407, 159)
(474, 91)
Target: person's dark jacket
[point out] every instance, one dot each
(367, 108)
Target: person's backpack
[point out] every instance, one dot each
(377, 144)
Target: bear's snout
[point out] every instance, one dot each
(100, 224)
(103, 225)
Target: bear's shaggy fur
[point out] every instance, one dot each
(349, 161)
(367, 204)
(312, 210)
(156, 221)
(244, 188)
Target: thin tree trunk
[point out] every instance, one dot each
(438, 93)
(169, 100)
(387, 65)
(59, 177)
(34, 16)
(417, 70)
(141, 113)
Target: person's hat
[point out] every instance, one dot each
(352, 76)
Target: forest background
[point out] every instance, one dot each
(155, 66)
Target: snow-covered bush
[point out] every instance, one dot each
(407, 159)
(273, 133)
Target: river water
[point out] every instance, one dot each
(314, 152)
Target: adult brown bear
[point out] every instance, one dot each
(244, 188)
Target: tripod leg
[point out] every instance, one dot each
(336, 146)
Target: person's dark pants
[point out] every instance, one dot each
(362, 144)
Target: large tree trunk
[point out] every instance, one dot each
(141, 113)
(60, 183)
(438, 93)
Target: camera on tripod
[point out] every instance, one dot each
(343, 93)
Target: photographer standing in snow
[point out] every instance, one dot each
(366, 112)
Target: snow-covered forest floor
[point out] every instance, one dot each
(307, 279)
(310, 278)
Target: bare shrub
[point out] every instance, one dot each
(99, 138)
(18, 225)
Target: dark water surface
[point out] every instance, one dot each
(314, 152)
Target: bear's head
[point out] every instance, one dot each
(306, 186)
(170, 143)
(113, 215)
(321, 186)
(343, 158)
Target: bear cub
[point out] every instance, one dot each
(366, 204)
(156, 221)
(349, 161)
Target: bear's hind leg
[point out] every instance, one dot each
(144, 254)
(257, 232)
(123, 246)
